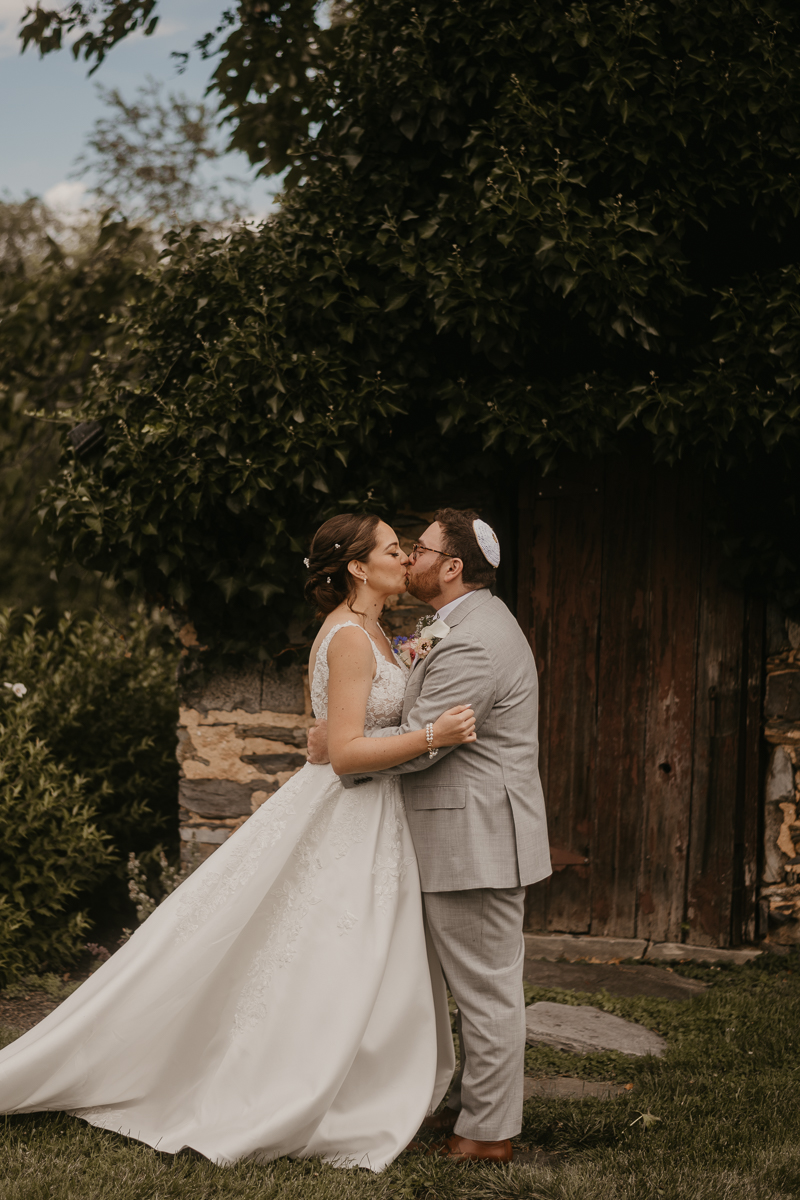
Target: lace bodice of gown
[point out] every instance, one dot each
(385, 702)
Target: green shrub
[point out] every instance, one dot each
(51, 849)
(103, 700)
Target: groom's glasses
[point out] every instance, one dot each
(418, 549)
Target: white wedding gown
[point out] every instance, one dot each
(281, 1002)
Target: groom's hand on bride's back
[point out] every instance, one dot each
(318, 744)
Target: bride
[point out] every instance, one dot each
(282, 1001)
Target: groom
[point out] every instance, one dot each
(476, 814)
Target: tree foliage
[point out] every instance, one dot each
(520, 230)
(61, 293)
(146, 160)
(271, 58)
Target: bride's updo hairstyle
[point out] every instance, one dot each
(335, 544)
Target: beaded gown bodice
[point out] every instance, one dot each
(385, 702)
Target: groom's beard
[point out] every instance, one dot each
(425, 586)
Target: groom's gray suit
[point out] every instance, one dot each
(476, 813)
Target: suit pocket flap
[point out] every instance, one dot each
(438, 797)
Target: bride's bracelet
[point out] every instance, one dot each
(429, 739)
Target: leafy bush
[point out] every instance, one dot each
(104, 703)
(51, 849)
(146, 893)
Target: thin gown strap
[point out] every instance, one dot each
(323, 650)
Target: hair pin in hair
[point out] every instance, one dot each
(336, 546)
(306, 563)
(329, 579)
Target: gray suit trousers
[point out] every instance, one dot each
(478, 937)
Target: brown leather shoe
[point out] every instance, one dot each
(443, 1121)
(461, 1149)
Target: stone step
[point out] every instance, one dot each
(570, 1087)
(577, 946)
(584, 1029)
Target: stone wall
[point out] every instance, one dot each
(242, 733)
(780, 891)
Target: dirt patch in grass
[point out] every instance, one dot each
(26, 1011)
(28, 1001)
(618, 979)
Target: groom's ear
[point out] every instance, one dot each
(455, 569)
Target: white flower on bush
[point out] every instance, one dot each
(18, 689)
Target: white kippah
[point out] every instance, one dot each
(486, 538)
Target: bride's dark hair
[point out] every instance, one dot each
(334, 545)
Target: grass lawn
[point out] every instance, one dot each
(717, 1119)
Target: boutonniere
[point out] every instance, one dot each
(429, 632)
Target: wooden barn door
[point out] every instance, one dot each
(650, 676)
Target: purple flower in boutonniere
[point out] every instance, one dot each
(429, 632)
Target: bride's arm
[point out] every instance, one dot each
(351, 664)
(464, 669)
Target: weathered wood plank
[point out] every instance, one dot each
(577, 571)
(676, 560)
(715, 757)
(622, 695)
(534, 607)
(525, 552)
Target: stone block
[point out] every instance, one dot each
(274, 733)
(216, 797)
(584, 1029)
(206, 837)
(574, 947)
(271, 764)
(777, 641)
(216, 754)
(250, 688)
(224, 690)
(570, 1087)
(676, 952)
(774, 858)
(282, 690)
(783, 695)
(779, 790)
(780, 777)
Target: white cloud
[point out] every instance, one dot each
(11, 13)
(66, 198)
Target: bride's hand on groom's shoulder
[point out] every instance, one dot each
(318, 744)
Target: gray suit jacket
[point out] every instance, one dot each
(476, 812)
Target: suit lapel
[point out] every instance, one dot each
(469, 604)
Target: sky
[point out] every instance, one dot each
(48, 106)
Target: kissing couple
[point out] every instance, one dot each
(289, 997)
